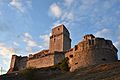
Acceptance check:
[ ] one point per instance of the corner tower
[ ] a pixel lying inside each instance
(92, 51)
(60, 39)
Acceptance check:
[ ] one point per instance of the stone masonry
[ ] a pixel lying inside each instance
(90, 51)
(60, 40)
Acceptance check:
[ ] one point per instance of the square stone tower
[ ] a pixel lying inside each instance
(60, 39)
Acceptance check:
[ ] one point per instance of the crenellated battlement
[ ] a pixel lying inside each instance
(40, 54)
(88, 37)
(91, 42)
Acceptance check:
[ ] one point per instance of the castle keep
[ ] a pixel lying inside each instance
(90, 51)
(60, 40)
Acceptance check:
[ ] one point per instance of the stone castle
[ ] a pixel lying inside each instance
(90, 51)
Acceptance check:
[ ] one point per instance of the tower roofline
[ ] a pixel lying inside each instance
(61, 25)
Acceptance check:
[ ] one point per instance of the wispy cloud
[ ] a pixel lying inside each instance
(68, 2)
(27, 35)
(20, 5)
(55, 10)
(5, 55)
(117, 43)
(32, 46)
(84, 12)
(27, 38)
(45, 39)
(0, 13)
(15, 43)
(6, 51)
(105, 33)
(63, 11)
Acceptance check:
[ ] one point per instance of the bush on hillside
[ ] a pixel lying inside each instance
(28, 73)
(63, 65)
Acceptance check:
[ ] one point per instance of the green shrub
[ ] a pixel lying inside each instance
(64, 65)
(61, 66)
(28, 73)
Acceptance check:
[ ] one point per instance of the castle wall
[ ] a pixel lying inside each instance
(13, 61)
(58, 57)
(91, 52)
(17, 63)
(13, 64)
(69, 53)
(66, 43)
(45, 61)
(22, 62)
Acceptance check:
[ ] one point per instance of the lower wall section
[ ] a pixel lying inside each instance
(91, 57)
(45, 61)
(59, 57)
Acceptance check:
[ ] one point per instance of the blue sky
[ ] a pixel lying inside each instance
(25, 25)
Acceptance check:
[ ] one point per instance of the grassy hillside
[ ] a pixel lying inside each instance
(97, 72)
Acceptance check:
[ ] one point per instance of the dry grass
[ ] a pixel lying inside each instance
(96, 72)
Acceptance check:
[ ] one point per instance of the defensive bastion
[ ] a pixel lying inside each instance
(91, 51)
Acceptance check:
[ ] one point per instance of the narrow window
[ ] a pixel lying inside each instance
(89, 42)
(71, 56)
(76, 63)
(92, 42)
(103, 59)
(76, 47)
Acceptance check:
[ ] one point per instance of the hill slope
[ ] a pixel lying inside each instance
(97, 72)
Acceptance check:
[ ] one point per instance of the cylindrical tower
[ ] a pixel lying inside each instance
(92, 51)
